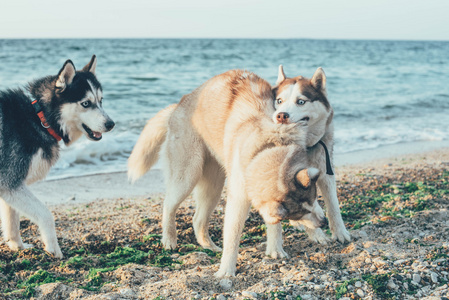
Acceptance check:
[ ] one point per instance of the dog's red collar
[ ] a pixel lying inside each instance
(44, 123)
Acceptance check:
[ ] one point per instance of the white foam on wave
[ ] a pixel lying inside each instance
(88, 157)
(363, 138)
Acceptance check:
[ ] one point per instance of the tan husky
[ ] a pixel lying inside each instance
(224, 129)
(301, 99)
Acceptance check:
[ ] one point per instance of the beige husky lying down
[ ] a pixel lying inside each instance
(224, 129)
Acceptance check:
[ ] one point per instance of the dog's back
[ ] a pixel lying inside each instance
(221, 106)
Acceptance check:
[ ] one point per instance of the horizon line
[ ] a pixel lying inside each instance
(222, 38)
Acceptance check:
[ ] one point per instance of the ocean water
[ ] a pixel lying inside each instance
(382, 92)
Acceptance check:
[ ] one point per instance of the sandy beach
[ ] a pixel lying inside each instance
(395, 207)
(83, 189)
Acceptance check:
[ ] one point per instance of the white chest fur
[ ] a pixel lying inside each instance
(39, 168)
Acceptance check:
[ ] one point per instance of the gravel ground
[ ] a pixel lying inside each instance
(396, 210)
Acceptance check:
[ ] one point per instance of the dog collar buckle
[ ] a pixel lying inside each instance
(44, 123)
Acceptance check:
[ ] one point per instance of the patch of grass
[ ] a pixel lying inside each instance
(145, 221)
(77, 262)
(38, 278)
(15, 266)
(122, 207)
(163, 259)
(342, 288)
(388, 201)
(379, 284)
(255, 233)
(189, 248)
(123, 256)
(79, 251)
(96, 279)
(98, 264)
(153, 238)
(126, 255)
(412, 289)
(247, 236)
(25, 264)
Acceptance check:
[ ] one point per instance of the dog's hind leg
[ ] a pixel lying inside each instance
(182, 174)
(207, 194)
(11, 227)
(23, 201)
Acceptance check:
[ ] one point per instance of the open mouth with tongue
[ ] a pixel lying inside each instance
(93, 135)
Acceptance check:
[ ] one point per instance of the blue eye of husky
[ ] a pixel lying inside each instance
(86, 104)
(279, 101)
(301, 102)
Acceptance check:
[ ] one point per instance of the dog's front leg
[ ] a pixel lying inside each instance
(275, 241)
(23, 201)
(326, 184)
(237, 208)
(11, 227)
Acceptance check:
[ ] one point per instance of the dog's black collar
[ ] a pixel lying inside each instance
(329, 170)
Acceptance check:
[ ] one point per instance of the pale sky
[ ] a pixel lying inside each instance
(320, 19)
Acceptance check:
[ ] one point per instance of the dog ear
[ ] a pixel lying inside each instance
(65, 75)
(281, 75)
(313, 173)
(319, 80)
(90, 67)
(306, 176)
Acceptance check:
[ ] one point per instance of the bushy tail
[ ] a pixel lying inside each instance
(146, 151)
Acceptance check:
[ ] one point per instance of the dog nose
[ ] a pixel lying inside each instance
(323, 222)
(109, 125)
(282, 117)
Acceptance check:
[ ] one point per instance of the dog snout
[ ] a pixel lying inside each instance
(323, 222)
(109, 125)
(282, 118)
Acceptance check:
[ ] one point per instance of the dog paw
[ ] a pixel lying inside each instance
(213, 247)
(168, 243)
(54, 251)
(225, 272)
(317, 236)
(278, 253)
(16, 245)
(341, 235)
(208, 244)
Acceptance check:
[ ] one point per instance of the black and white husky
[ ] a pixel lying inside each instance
(32, 122)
